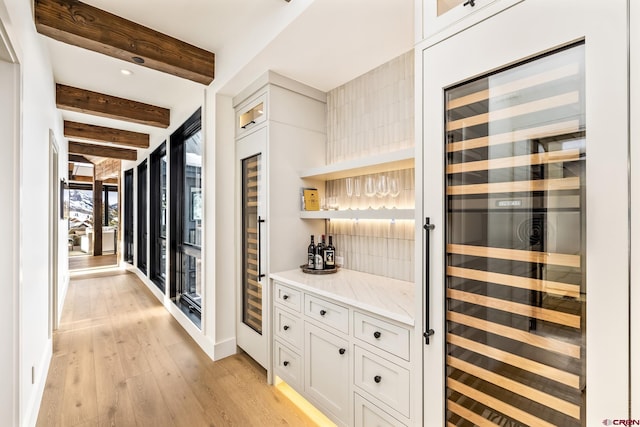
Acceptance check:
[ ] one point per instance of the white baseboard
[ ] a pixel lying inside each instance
(30, 416)
(225, 348)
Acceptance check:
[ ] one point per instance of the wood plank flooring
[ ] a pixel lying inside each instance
(89, 261)
(120, 359)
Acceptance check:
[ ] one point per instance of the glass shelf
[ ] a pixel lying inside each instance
(360, 214)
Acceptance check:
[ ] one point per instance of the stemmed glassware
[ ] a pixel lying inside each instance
(394, 186)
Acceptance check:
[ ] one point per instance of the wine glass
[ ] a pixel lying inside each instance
(382, 188)
(394, 187)
(369, 188)
(349, 186)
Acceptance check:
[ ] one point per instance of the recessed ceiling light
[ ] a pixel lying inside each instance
(138, 60)
(126, 72)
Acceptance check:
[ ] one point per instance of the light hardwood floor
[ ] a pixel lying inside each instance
(120, 359)
(89, 261)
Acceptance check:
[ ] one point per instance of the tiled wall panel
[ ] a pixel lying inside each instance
(374, 114)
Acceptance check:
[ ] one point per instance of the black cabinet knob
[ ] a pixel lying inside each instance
(285, 363)
(285, 296)
(342, 351)
(377, 378)
(323, 312)
(285, 327)
(377, 334)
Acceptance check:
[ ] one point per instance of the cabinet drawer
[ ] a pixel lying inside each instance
(289, 328)
(384, 335)
(288, 297)
(368, 415)
(327, 313)
(382, 379)
(288, 365)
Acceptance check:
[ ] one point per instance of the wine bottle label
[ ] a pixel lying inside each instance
(319, 265)
(329, 258)
(310, 260)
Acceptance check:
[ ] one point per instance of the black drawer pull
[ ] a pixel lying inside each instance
(377, 379)
(285, 296)
(323, 312)
(471, 3)
(377, 334)
(285, 363)
(285, 327)
(342, 351)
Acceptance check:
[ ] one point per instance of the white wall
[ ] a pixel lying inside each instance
(38, 116)
(8, 255)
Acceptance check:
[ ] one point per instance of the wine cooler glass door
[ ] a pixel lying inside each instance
(517, 250)
(252, 310)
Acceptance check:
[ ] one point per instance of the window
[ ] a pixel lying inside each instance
(186, 208)
(128, 216)
(158, 215)
(142, 217)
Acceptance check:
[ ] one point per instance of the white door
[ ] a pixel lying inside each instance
(252, 290)
(525, 179)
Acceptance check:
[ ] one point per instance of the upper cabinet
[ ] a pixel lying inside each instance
(443, 18)
(251, 114)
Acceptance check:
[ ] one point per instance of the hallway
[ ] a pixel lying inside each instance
(120, 359)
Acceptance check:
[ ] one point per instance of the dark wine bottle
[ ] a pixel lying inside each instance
(311, 254)
(318, 260)
(330, 255)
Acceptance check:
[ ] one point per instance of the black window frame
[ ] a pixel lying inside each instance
(142, 233)
(128, 216)
(155, 219)
(176, 213)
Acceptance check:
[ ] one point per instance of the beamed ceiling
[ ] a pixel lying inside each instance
(174, 50)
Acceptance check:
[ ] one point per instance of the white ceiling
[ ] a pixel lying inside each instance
(324, 43)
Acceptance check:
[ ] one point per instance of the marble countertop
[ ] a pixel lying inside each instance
(386, 297)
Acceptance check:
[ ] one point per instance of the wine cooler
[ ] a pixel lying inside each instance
(515, 244)
(251, 245)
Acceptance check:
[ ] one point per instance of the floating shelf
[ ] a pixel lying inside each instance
(360, 214)
(402, 159)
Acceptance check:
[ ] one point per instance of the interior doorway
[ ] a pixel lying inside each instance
(92, 206)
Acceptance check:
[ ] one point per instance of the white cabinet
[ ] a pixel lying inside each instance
(327, 370)
(447, 17)
(356, 363)
(280, 129)
(366, 414)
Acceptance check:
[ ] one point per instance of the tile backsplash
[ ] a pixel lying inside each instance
(373, 114)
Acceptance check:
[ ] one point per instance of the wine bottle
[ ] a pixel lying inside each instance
(318, 263)
(329, 255)
(311, 254)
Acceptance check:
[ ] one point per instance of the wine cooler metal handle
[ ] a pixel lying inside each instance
(260, 222)
(428, 332)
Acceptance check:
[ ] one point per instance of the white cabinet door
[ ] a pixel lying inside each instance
(525, 178)
(327, 380)
(252, 235)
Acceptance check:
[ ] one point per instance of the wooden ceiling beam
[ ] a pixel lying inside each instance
(80, 24)
(98, 104)
(74, 158)
(104, 134)
(102, 151)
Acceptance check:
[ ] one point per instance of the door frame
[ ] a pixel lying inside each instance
(55, 188)
(516, 37)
